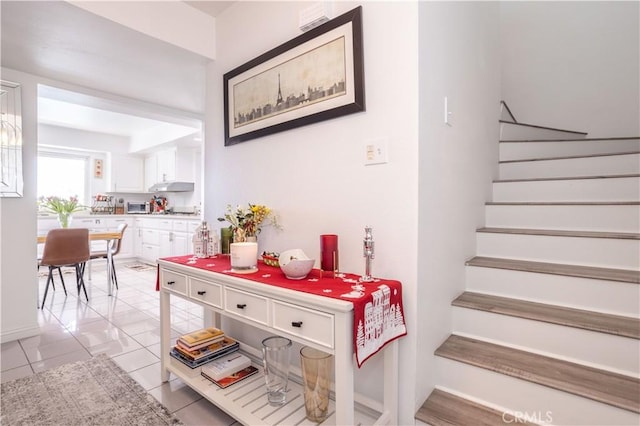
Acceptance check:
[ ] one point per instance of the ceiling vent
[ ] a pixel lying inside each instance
(315, 15)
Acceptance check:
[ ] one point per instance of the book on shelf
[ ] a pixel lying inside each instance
(226, 365)
(183, 368)
(200, 338)
(197, 354)
(175, 353)
(233, 378)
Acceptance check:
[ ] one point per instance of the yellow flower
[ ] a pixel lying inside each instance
(249, 220)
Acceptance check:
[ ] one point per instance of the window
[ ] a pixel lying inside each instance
(64, 175)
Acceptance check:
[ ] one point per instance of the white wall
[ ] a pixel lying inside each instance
(96, 145)
(314, 176)
(573, 65)
(18, 278)
(457, 163)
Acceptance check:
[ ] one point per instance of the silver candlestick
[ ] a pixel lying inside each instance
(368, 253)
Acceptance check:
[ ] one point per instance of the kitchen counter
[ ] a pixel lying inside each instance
(145, 216)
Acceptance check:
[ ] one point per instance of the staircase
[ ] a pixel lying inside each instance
(548, 329)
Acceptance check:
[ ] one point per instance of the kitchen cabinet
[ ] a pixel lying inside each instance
(160, 167)
(166, 165)
(150, 171)
(126, 243)
(137, 237)
(93, 224)
(126, 174)
(163, 237)
(176, 164)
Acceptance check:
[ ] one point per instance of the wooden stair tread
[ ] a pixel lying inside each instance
(547, 179)
(571, 140)
(535, 126)
(445, 409)
(571, 317)
(621, 275)
(559, 203)
(604, 386)
(568, 157)
(562, 233)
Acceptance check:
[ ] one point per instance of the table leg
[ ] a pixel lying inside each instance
(109, 267)
(344, 369)
(391, 382)
(165, 334)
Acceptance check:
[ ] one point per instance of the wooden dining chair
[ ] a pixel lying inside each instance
(66, 247)
(114, 247)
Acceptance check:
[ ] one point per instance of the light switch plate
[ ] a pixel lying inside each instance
(376, 152)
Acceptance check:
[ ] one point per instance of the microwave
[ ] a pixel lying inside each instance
(138, 208)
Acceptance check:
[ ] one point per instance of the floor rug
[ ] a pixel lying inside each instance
(65, 271)
(140, 267)
(92, 392)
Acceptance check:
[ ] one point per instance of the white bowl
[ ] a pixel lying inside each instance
(295, 264)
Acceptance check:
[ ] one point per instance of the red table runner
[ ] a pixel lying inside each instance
(377, 306)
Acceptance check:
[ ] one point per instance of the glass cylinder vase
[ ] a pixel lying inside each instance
(316, 375)
(64, 219)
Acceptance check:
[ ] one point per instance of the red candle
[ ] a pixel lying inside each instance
(329, 252)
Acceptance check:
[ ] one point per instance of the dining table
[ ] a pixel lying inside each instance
(107, 236)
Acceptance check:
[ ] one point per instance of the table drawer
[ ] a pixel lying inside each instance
(174, 282)
(206, 292)
(311, 325)
(246, 305)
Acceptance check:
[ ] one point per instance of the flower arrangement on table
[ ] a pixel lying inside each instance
(63, 207)
(247, 222)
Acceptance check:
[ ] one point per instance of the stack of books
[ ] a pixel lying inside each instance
(202, 346)
(228, 370)
(216, 353)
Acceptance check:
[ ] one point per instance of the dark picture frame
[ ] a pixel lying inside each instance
(316, 76)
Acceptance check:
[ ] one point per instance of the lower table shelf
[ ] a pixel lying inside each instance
(247, 402)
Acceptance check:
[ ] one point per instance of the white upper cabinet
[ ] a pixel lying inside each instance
(160, 167)
(170, 165)
(127, 173)
(166, 165)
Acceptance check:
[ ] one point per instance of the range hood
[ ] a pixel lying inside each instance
(172, 187)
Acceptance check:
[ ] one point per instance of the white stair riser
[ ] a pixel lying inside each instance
(599, 350)
(612, 218)
(526, 397)
(617, 298)
(510, 131)
(572, 167)
(607, 165)
(612, 189)
(601, 252)
(530, 150)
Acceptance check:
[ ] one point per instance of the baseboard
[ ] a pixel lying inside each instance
(21, 333)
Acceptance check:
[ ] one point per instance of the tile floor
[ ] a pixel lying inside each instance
(125, 326)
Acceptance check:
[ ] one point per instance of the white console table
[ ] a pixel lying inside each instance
(321, 322)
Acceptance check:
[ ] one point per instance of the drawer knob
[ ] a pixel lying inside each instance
(296, 324)
(201, 292)
(241, 305)
(171, 282)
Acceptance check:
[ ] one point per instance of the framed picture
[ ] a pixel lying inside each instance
(316, 76)
(97, 168)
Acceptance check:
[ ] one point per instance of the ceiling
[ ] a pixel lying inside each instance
(155, 82)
